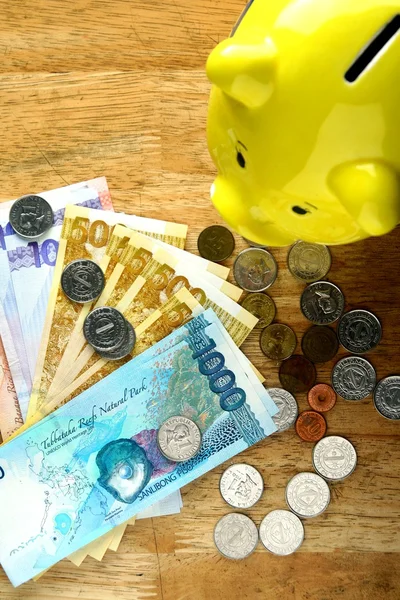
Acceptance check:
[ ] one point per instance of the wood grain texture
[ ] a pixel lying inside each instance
(117, 88)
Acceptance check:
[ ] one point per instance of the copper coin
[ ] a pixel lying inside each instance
(216, 243)
(297, 374)
(310, 426)
(322, 397)
(320, 343)
(278, 341)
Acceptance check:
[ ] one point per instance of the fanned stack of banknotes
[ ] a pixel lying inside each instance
(82, 454)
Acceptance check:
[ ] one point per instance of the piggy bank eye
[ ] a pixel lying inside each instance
(241, 160)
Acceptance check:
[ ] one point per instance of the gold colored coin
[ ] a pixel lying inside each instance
(309, 262)
(261, 306)
(278, 341)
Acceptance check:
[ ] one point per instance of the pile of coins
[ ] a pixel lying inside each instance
(105, 328)
(353, 378)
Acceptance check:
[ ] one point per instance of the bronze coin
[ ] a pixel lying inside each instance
(216, 243)
(320, 343)
(261, 306)
(310, 426)
(322, 397)
(278, 341)
(297, 374)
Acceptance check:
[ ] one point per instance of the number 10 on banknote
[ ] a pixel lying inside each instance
(95, 462)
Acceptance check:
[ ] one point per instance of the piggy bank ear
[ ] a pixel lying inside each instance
(244, 71)
(370, 192)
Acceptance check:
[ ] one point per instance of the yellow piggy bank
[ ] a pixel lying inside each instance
(304, 121)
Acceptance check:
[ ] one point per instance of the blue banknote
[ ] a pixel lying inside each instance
(95, 462)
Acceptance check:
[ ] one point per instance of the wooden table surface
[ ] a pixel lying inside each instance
(117, 88)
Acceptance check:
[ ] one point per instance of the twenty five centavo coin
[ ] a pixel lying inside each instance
(235, 536)
(353, 378)
(359, 331)
(287, 407)
(322, 397)
(105, 328)
(309, 262)
(281, 532)
(319, 344)
(241, 485)
(387, 397)
(297, 374)
(310, 426)
(307, 495)
(179, 438)
(255, 269)
(278, 341)
(334, 458)
(322, 302)
(261, 306)
(216, 243)
(82, 281)
(31, 216)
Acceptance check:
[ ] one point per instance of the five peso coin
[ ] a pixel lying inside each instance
(322, 397)
(105, 329)
(281, 532)
(319, 344)
(310, 426)
(353, 378)
(322, 302)
(82, 281)
(216, 243)
(387, 397)
(255, 269)
(241, 485)
(287, 407)
(235, 536)
(334, 458)
(359, 331)
(297, 374)
(261, 306)
(125, 348)
(31, 216)
(179, 438)
(278, 341)
(307, 495)
(309, 262)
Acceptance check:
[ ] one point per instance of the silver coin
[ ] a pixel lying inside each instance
(82, 280)
(353, 378)
(31, 216)
(235, 536)
(255, 269)
(105, 328)
(307, 495)
(334, 458)
(322, 302)
(179, 439)
(387, 397)
(359, 331)
(309, 262)
(287, 407)
(126, 347)
(281, 532)
(241, 485)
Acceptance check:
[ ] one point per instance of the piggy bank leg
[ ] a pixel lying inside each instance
(370, 193)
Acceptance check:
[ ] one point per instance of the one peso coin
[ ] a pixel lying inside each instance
(322, 302)
(359, 331)
(319, 344)
(387, 397)
(82, 281)
(125, 348)
(255, 269)
(287, 408)
(278, 341)
(307, 495)
(31, 216)
(353, 378)
(334, 458)
(179, 438)
(261, 306)
(105, 329)
(281, 532)
(241, 485)
(235, 536)
(309, 262)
